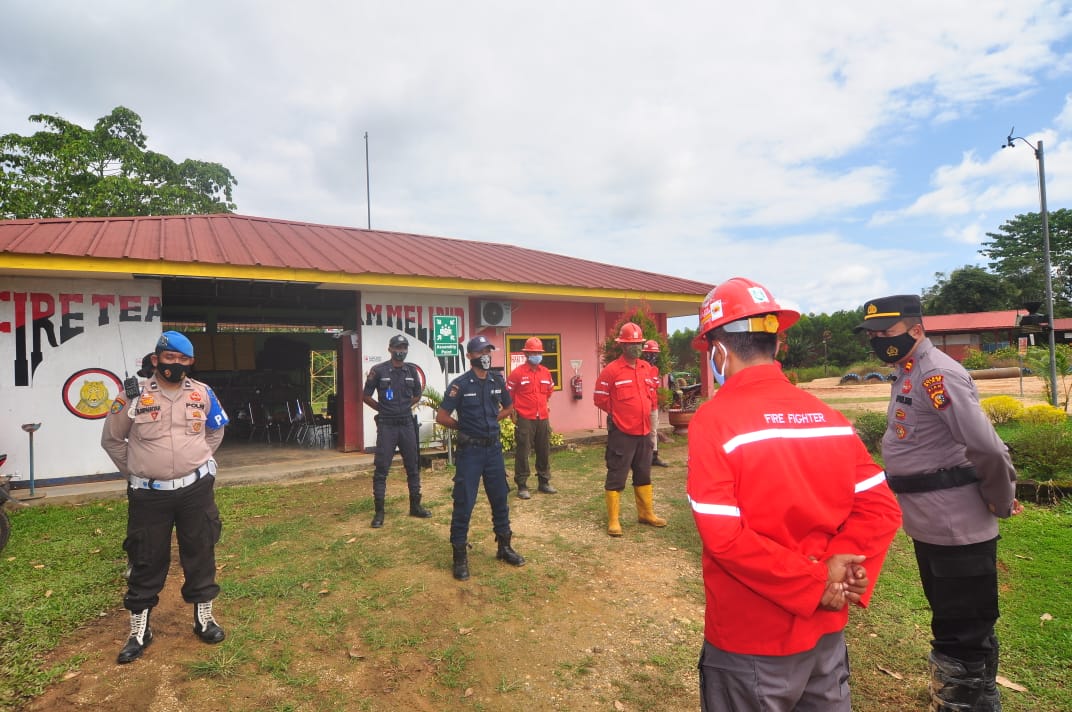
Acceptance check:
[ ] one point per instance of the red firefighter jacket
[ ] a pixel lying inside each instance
(778, 482)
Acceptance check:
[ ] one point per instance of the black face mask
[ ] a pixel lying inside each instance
(650, 358)
(399, 356)
(172, 372)
(891, 349)
(481, 362)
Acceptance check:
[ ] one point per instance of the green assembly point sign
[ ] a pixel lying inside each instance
(446, 335)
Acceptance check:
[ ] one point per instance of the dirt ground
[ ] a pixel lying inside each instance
(613, 603)
(1030, 390)
(622, 602)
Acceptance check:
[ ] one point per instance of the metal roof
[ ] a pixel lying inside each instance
(247, 247)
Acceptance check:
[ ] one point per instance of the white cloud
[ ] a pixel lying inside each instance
(795, 141)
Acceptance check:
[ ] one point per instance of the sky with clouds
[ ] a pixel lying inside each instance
(833, 151)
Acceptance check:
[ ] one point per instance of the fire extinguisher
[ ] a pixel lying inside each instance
(577, 386)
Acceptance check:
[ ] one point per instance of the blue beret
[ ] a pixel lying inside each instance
(174, 341)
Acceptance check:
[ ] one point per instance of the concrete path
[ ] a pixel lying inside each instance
(248, 463)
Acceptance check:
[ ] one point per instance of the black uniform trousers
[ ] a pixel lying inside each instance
(151, 515)
(396, 432)
(624, 453)
(473, 463)
(961, 584)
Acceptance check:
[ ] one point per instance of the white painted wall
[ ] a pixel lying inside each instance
(56, 337)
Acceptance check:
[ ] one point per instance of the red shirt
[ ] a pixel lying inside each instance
(778, 482)
(627, 394)
(531, 387)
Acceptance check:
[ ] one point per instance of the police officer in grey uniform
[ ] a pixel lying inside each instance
(397, 387)
(163, 439)
(481, 400)
(954, 479)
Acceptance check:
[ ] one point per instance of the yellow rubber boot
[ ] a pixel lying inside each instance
(644, 508)
(614, 505)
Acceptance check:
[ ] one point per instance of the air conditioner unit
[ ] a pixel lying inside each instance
(495, 313)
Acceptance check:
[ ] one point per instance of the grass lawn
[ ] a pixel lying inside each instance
(324, 613)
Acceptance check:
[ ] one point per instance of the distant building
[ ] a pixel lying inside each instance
(955, 334)
(82, 300)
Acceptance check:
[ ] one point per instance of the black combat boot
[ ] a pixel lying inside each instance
(205, 625)
(523, 489)
(545, 486)
(140, 637)
(507, 554)
(657, 461)
(990, 699)
(415, 508)
(956, 685)
(461, 561)
(377, 518)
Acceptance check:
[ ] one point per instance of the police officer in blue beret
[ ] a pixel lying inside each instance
(480, 398)
(163, 440)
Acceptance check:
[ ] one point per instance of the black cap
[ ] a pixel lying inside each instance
(398, 340)
(882, 313)
(478, 344)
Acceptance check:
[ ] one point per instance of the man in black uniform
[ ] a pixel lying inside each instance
(398, 389)
(481, 399)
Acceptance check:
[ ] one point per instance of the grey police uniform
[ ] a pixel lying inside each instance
(163, 442)
(395, 388)
(948, 466)
(936, 426)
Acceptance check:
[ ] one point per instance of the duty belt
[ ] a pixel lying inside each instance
(394, 420)
(930, 481)
(178, 483)
(475, 442)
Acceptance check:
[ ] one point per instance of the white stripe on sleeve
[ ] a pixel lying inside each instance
(870, 482)
(724, 510)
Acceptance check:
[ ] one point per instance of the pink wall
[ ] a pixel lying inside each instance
(581, 328)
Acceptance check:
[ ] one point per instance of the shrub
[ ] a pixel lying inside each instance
(1001, 409)
(975, 359)
(508, 436)
(871, 426)
(1043, 414)
(1041, 452)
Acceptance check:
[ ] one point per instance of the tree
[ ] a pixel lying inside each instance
(682, 356)
(1016, 254)
(66, 170)
(970, 289)
(822, 338)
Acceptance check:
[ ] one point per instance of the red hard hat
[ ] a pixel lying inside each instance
(533, 344)
(651, 346)
(746, 304)
(630, 333)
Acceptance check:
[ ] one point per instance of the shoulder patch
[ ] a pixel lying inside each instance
(117, 405)
(453, 392)
(935, 387)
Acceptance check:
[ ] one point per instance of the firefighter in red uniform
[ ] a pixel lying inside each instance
(651, 355)
(794, 515)
(624, 390)
(531, 386)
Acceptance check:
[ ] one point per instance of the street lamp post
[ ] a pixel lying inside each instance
(1040, 157)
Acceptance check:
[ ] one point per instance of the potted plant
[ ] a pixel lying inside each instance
(685, 401)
